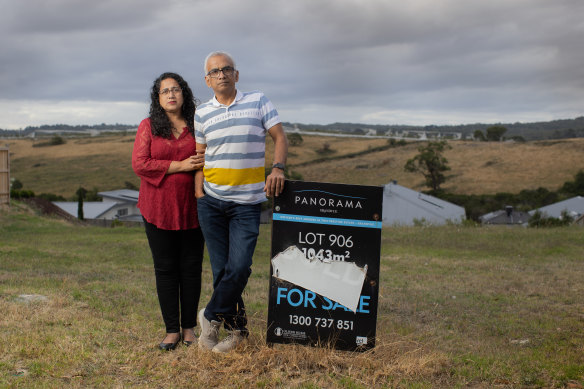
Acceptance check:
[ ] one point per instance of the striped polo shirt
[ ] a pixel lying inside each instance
(235, 136)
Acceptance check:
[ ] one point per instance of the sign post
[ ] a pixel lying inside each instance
(4, 175)
(324, 273)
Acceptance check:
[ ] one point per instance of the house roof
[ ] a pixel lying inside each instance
(91, 209)
(503, 217)
(121, 195)
(402, 206)
(574, 207)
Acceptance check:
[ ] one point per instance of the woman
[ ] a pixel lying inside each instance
(165, 159)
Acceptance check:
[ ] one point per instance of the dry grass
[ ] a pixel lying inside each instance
(477, 167)
(99, 322)
(64, 342)
(458, 307)
(511, 167)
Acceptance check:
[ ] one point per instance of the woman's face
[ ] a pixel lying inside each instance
(170, 95)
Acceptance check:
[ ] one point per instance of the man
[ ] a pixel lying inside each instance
(231, 129)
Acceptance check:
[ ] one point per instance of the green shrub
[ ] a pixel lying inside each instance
(15, 184)
(539, 220)
(51, 197)
(54, 141)
(21, 193)
(295, 139)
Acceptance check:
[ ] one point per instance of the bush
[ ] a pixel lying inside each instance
(326, 149)
(54, 141)
(51, 197)
(295, 139)
(478, 135)
(495, 133)
(91, 195)
(21, 194)
(15, 184)
(576, 187)
(395, 143)
(117, 223)
(539, 220)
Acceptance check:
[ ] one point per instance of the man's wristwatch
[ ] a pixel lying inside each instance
(279, 166)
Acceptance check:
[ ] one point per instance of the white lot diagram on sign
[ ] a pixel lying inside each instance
(338, 281)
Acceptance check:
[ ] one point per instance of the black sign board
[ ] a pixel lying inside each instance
(324, 282)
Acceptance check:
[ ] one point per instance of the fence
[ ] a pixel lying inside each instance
(4, 175)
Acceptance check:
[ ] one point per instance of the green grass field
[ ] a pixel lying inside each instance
(459, 307)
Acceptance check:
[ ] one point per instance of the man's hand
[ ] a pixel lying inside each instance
(194, 162)
(198, 160)
(275, 182)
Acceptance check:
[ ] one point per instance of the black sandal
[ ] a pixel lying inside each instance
(169, 346)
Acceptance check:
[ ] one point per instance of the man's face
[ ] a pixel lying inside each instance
(222, 82)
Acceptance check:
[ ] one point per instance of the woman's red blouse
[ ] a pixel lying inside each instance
(165, 200)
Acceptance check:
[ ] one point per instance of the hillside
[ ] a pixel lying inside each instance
(104, 162)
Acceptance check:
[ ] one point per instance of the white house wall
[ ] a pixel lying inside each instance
(113, 212)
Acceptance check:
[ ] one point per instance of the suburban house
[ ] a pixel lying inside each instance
(507, 216)
(574, 207)
(116, 205)
(404, 207)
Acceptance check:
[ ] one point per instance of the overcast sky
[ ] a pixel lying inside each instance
(413, 62)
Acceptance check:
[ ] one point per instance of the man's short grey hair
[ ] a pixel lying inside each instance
(217, 53)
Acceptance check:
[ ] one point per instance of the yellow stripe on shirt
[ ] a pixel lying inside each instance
(233, 177)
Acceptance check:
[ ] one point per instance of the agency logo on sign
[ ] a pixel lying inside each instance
(319, 198)
(361, 340)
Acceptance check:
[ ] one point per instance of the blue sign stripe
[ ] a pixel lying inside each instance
(326, 220)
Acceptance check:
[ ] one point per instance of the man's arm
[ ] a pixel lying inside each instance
(199, 176)
(275, 180)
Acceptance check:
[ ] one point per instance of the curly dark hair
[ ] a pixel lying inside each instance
(159, 121)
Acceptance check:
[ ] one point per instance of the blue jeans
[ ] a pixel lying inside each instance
(231, 232)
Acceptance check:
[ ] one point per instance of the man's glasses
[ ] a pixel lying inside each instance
(228, 71)
(175, 89)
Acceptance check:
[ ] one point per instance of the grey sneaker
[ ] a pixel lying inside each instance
(209, 331)
(229, 343)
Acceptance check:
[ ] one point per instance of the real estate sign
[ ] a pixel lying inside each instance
(324, 270)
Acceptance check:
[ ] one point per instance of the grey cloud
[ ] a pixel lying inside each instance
(340, 55)
(72, 16)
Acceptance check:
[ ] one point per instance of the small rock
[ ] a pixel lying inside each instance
(30, 298)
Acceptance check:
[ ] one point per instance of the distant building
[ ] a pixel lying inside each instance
(507, 216)
(574, 207)
(404, 207)
(116, 205)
